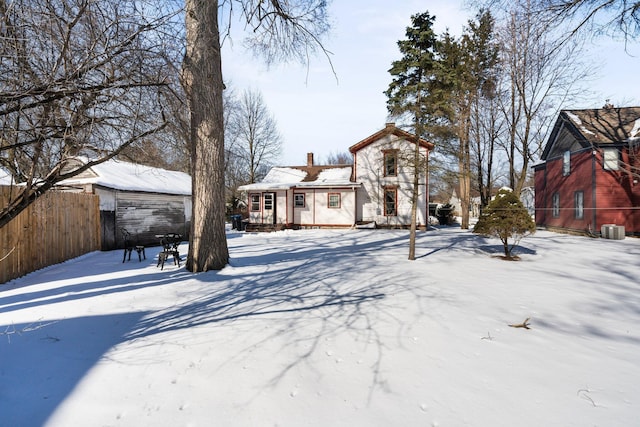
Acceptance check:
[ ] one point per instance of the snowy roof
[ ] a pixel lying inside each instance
(126, 176)
(280, 174)
(607, 125)
(284, 178)
(578, 129)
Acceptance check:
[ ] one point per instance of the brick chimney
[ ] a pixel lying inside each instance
(309, 159)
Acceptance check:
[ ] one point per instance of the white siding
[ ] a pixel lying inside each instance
(280, 204)
(369, 171)
(304, 215)
(281, 207)
(317, 212)
(334, 216)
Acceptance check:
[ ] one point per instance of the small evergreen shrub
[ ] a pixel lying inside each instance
(445, 214)
(507, 219)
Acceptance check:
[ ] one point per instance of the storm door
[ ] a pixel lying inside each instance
(269, 208)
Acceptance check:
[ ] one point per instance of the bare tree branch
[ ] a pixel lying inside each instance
(80, 77)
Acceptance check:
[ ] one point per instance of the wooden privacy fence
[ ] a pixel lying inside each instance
(56, 227)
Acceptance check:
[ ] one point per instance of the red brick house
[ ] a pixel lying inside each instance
(590, 171)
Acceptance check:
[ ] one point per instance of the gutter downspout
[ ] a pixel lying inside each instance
(545, 201)
(355, 205)
(593, 191)
(426, 219)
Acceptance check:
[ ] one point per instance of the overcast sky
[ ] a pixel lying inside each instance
(317, 111)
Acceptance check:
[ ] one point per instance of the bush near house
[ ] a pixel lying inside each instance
(507, 219)
(444, 214)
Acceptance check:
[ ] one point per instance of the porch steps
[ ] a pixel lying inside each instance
(264, 228)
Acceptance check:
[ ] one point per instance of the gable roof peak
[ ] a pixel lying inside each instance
(390, 128)
(592, 127)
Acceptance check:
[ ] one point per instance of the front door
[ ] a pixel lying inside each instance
(269, 208)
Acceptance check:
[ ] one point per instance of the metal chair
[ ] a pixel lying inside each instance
(170, 243)
(129, 247)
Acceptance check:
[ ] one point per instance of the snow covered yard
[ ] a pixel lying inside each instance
(330, 328)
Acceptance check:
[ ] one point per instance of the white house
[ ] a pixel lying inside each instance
(475, 203)
(377, 188)
(304, 196)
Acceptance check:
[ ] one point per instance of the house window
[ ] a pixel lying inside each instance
(555, 205)
(334, 200)
(268, 201)
(390, 201)
(391, 163)
(298, 200)
(255, 202)
(566, 163)
(578, 204)
(611, 158)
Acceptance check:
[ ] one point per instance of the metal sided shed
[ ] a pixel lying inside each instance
(143, 200)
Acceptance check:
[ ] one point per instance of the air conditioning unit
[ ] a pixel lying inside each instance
(612, 231)
(605, 230)
(617, 232)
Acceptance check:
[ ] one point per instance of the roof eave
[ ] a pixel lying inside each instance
(390, 130)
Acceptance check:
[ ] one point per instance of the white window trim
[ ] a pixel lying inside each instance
(338, 198)
(611, 159)
(251, 202)
(555, 205)
(578, 201)
(566, 163)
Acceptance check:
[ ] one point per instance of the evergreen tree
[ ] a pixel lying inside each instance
(507, 219)
(408, 92)
(413, 74)
(465, 74)
(438, 82)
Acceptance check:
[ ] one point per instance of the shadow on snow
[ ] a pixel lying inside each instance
(265, 282)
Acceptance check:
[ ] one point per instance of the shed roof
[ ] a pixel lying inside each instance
(119, 175)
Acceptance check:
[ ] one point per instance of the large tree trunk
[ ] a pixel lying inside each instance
(465, 191)
(202, 75)
(464, 164)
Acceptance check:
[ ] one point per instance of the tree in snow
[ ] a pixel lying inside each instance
(408, 94)
(507, 219)
(255, 142)
(79, 78)
(339, 158)
(282, 30)
(252, 143)
(538, 75)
